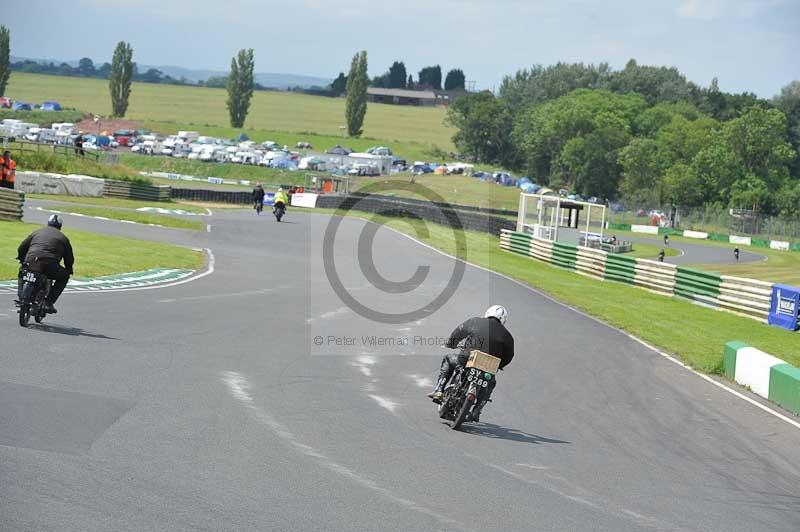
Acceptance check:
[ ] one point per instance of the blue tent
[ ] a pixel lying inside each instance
(242, 137)
(51, 106)
(21, 106)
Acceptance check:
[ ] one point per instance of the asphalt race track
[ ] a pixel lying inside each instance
(698, 253)
(210, 406)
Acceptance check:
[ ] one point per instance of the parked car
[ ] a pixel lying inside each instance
(380, 150)
(6, 102)
(303, 145)
(340, 150)
(51, 106)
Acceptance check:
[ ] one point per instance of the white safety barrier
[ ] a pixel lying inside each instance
(649, 229)
(779, 244)
(743, 240)
(47, 183)
(695, 234)
(304, 199)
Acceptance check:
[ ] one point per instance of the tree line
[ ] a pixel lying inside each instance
(397, 77)
(643, 134)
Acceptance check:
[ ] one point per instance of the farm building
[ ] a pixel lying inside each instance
(423, 98)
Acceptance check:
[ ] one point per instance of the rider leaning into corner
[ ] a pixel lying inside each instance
(487, 334)
(45, 248)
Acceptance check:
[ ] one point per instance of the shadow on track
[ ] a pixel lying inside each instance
(490, 430)
(69, 331)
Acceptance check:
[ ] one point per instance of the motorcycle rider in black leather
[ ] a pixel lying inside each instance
(487, 334)
(258, 194)
(44, 249)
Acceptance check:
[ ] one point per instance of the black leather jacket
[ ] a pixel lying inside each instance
(48, 245)
(487, 335)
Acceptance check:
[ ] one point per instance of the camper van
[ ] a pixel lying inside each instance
(188, 136)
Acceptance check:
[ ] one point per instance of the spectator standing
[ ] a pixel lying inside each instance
(661, 256)
(7, 169)
(79, 144)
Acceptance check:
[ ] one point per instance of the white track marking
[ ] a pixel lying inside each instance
(208, 212)
(208, 228)
(341, 311)
(209, 270)
(422, 382)
(218, 296)
(239, 388)
(598, 320)
(388, 404)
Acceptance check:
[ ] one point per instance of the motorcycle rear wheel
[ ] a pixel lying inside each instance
(24, 314)
(462, 414)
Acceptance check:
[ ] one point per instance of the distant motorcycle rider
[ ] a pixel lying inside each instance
(487, 334)
(43, 250)
(258, 195)
(280, 197)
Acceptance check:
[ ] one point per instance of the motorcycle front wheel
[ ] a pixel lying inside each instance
(466, 407)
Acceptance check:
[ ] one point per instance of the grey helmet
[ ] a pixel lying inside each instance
(55, 221)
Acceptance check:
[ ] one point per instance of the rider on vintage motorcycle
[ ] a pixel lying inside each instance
(47, 247)
(487, 334)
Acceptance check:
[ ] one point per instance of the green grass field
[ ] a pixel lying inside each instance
(693, 333)
(270, 112)
(97, 254)
(135, 216)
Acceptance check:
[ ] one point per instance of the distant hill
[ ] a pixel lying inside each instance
(267, 79)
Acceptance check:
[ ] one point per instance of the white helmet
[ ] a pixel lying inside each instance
(497, 311)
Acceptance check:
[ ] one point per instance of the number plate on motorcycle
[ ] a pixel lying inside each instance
(478, 377)
(30, 277)
(483, 361)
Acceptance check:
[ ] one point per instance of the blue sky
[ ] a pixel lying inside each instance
(748, 44)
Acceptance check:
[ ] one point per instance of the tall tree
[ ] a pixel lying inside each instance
(119, 80)
(455, 80)
(410, 82)
(86, 67)
(339, 85)
(430, 77)
(356, 105)
(397, 75)
(240, 87)
(5, 59)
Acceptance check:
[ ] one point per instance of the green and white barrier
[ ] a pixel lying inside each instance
(747, 297)
(764, 374)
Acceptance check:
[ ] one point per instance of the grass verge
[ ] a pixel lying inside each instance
(138, 217)
(118, 203)
(97, 254)
(694, 334)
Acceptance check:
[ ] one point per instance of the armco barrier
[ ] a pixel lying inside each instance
(766, 375)
(11, 204)
(391, 206)
(746, 297)
(128, 190)
(213, 196)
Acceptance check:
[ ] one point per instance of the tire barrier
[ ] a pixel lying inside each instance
(764, 374)
(746, 297)
(11, 204)
(213, 196)
(138, 191)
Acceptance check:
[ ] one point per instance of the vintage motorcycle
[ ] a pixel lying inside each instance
(467, 387)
